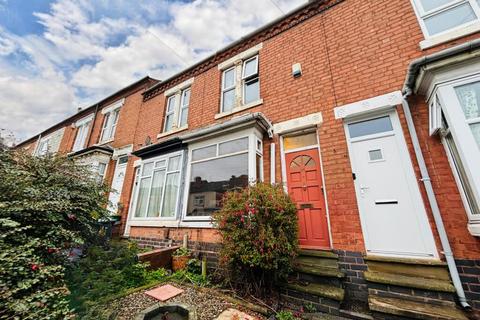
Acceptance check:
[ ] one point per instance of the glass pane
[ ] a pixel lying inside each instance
(375, 154)
(309, 139)
(308, 161)
(122, 160)
(171, 104)
(184, 117)
(171, 190)
(169, 122)
(160, 163)
(475, 127)
(174, 163)
(258, 166)
(185, 97)
(433, 4)
(204, 153)
(211, 179)
(156, 194)
(229, 78)
(250, 68)
(469, 97)
(251, 91)
(233, 146)
(228, 100)
(367, 127)
(147, 169)
(142, 197)
(449, 19)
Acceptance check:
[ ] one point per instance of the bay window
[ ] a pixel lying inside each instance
(217, 166)
(157, 187)
(455, 114)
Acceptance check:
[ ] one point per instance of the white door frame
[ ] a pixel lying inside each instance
(117, 167)
(284, 169)
(411, 178)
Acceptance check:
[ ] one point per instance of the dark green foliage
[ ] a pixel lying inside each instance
(259, 229)
(48, 205)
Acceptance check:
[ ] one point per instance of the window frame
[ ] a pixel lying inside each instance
(43, 141)
(136, 187)
(110, 124)
(177, 111)
(448, 34)
(468, 149)
(239, 86)
(83, 129)
(253, 135)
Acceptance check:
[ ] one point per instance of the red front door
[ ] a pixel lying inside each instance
(304, 179)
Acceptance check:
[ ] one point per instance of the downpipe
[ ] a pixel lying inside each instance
(447, 250)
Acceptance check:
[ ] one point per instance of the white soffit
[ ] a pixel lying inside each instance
(307, 121)
(368, 105)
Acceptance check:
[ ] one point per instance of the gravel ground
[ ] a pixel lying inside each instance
(208, 306)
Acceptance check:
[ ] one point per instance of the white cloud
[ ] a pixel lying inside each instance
(91, 48)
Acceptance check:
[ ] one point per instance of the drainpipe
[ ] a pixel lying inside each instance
(447, 250)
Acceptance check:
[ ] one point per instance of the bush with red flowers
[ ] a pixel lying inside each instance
(48, 205)
(259, 230)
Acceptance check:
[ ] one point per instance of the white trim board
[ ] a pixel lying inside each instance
(185, 84)
(298, 124)
(241, 56)
(113, 106)
(369, 105)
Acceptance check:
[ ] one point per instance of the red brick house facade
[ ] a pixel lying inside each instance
(368, 112)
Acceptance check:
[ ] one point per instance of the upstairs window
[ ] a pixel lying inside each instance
(109, 125)
(83, 127)
(176, 111)
(240, 85)
(440, 16)
(43, 147)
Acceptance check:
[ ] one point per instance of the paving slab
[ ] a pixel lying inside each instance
(163, 293)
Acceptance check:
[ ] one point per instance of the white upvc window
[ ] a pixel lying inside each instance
(219, 165)
(176, 110)
(447, 19)
(457, 119)
(240, 85)
(157, 187)
(109, 125)
(83, 127)
(43, 146)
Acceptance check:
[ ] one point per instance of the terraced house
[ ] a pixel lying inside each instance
(368, 113)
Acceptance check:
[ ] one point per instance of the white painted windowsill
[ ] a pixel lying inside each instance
(239, 109)
(449, 36)
(474, 228)
(164, 134)
(104, 142)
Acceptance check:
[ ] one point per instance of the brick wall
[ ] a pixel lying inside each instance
(469, 271)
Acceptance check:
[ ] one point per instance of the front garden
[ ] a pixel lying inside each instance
(57, 262)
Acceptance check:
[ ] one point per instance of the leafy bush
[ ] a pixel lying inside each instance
(259, 229)
(286, 315)
(181, 252)
(48, 205)
(105, 272)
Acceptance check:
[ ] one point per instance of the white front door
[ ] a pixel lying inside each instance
(117, 184)
(393, 217)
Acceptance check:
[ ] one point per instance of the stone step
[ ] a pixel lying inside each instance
(416, 310)
(320, 271)
(412, 261)
(318, 253)
(414, 270)
(313, 261)
(317, 289)
(409, 281)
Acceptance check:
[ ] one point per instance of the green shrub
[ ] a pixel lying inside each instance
(181, 252)
(259, 230)
(48, 205)
(285, 315)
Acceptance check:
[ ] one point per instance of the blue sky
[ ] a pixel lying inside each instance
(58, 55)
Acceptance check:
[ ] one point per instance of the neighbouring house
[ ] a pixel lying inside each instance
(368, 112)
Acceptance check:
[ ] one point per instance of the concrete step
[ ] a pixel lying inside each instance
(316, 289)
(411, 261)
(314, 261)
(415, 310)
(439, 272)
(318, 254)
(321, 271)
(410, 281)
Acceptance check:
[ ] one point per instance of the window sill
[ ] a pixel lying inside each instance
(238, 109)
(154, 222)
(104, 142)
(164, 134)
(449, 36)
(474, 228)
